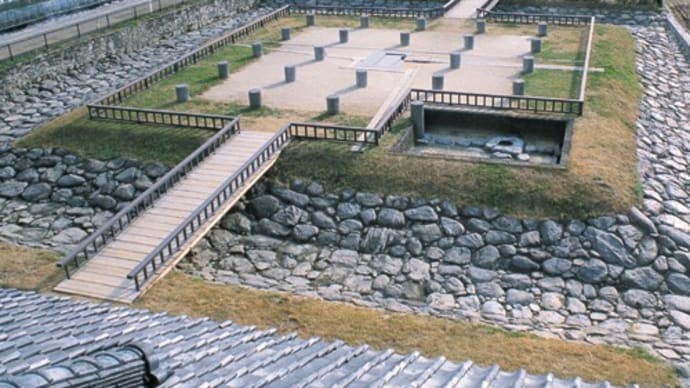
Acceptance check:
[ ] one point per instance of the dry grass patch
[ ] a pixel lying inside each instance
(28, 268)
(181, 294)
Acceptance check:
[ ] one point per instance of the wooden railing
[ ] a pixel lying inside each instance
(108, 231)
(172, 244)
(493, 101)
(395, 110)
(585, 68)
(430, 12)
(171, 68)
(542, 104)
(159, 117)
(532, 18)
(318, 131)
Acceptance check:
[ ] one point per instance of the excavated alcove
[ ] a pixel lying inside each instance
(497, 136)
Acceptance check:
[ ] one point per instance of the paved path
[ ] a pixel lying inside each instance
(105, 275)
(465, 9)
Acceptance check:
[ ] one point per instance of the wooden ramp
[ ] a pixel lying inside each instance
(105, 275)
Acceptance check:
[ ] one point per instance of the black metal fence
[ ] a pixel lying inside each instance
(430, 12)
(108, 231)
(192, 58)
(493, 101)
(318, 131)
(173, 243)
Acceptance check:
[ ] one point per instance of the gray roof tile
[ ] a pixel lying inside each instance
(40, 333)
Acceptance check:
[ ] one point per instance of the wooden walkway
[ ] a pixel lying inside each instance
(105, 275)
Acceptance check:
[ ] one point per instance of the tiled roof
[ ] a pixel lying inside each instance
(38, 331)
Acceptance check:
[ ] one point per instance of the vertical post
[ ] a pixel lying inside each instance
(45, 39)
(343, 35)
(454, 60)
(182, 92)
(9, 50)
(257, 49)
(421, 24)
(223, 69)
(481, 26)
(78, 31)
(107, 20)
(255, 98)
(417, 112)
(469, 41)
(535, 45)
(319, 53)
(519, 87)
(404, 38)
(361, 78)
(364, 21)
(290, 73)
(333, 104)
(437, 82)
(527, 64)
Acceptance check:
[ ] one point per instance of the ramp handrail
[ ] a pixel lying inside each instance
(171, 244)
(107, 232)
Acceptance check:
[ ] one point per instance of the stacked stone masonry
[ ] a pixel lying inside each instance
(606, 277)
(53, 198)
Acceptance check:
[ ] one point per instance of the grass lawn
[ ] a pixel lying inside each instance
(601, 177)
(433, 337)
(110, 139)
(553, 83)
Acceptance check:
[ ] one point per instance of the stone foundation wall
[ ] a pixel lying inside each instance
(52, 198)
(410, 254)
